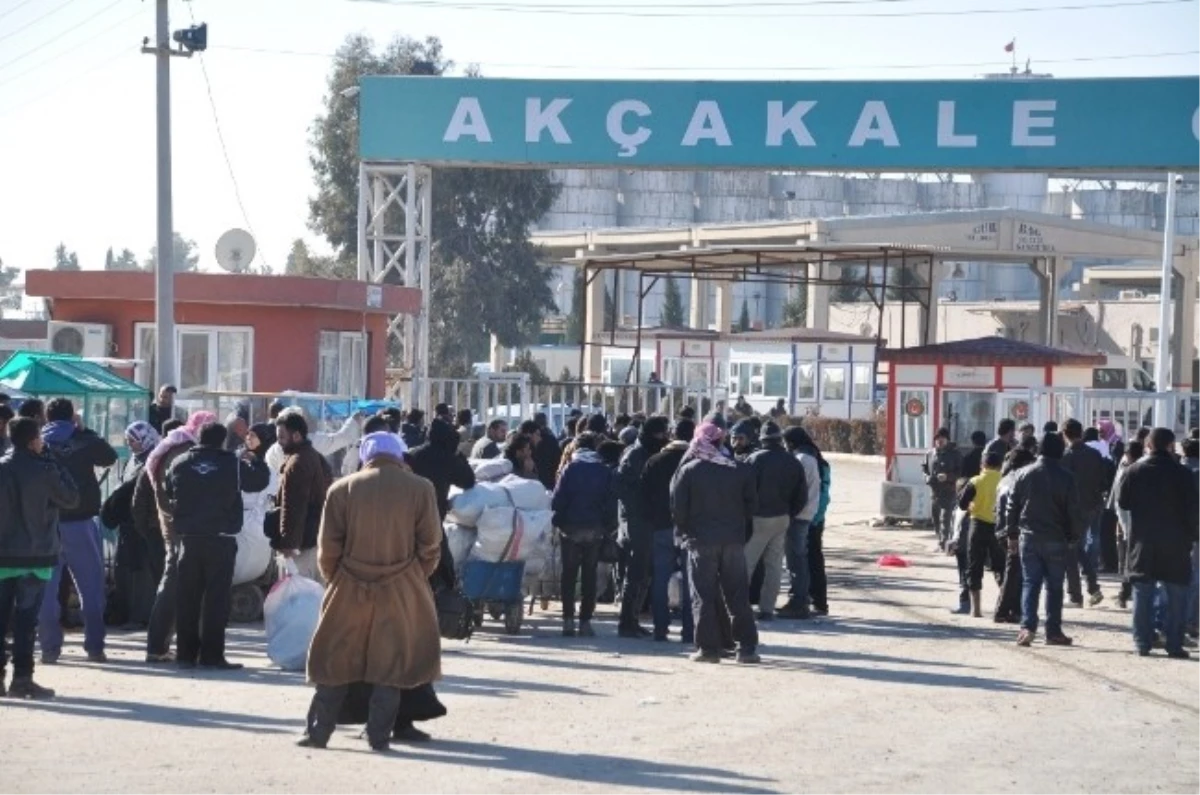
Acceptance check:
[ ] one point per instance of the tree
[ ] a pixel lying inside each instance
(125, 261)
(524, 363)
(610, 310)
(851, 290)
(302, 262)
(9, 298)
(485, 275)
(65, 260)
(108, 259)
(672, 311)
(907, 287)
(574, 330)
(743, 323)
(183, 254)
(795, 310)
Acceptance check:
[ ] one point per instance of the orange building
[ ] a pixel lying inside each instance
(239, 333)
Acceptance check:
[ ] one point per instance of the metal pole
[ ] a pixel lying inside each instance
(1162, 366)
(364, 220)
(425, 210)
(164, 269)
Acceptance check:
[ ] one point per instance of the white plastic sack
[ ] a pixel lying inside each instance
(253, 555)
(489, 469)
(526, 494)
(460, 539)
(290, 613)
(675, 590)
(466, 507)
(509, 534)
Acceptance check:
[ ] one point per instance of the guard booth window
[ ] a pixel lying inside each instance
(963, 413)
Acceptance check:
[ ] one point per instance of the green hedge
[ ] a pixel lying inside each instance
(862, 437)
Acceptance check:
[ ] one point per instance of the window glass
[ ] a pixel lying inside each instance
(806, 383)
(833, 383)
(233, 361)
(743, 382)
(775, 381)
(1109, 378)
(145, 352)
(913, 418)
(696, 374)
(193, 361)
(963, 413)
(862, 382)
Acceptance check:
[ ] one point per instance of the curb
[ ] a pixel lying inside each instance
(853, 458)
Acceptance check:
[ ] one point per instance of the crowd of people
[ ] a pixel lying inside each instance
(1035, 511)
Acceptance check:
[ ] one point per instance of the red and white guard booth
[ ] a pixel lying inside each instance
(964, 386)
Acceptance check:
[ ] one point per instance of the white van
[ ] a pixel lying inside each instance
(1122, 373)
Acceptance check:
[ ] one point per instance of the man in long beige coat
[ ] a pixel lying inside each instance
(380, 541)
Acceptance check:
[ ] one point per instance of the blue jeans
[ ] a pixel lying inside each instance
(1087, 556)
(1173, 614)
(1042, 562)
(20, 598)
(82, 554)
(797, 563)
(666, 558)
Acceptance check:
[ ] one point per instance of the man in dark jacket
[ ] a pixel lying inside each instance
(585, 513)
(639, 532)
(713, 499)
(943, 468)
(163, 409)
(972, 460)
(1093, 477)
(204, 487)
(412, 430)
(655, 489)
(1043, 513)
(305, 479)
(743, 439)
(782, 492)
(439, 462)
(547, 453)
(1164, 513)
(34, 487)
(82, 452)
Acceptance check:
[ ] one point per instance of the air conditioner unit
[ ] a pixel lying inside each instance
(89, 340)
(1128, 295)
(904, 501)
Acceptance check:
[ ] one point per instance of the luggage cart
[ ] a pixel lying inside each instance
(495, 588)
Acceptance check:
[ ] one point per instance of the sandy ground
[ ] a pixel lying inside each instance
(891, 693)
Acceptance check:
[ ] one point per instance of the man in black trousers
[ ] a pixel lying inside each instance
(204, 487)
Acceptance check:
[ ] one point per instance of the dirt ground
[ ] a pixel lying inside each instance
(890, 693)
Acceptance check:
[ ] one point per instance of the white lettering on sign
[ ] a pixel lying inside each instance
(969, 376)
(1025, 122)
(538, 118)
(945, 129)
(874, 124)
(792, 122)
(627, 141)
(468, 119)
(706, 123)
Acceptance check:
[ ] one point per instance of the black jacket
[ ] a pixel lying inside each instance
(629, 477)
(1044, 504)
(438, 462)
(946, 461)
(779, 475)
(655, 485)
(1093, 476)
(1164, 515)
(547, 456)
(204, 488)
(82, 453)
(157, 415)
(972, 463)
(33, 489)
(586, 495)
(713, 504)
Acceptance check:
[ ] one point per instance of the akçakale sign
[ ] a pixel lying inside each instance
(1008, 124)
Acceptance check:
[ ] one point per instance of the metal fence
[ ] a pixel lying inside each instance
(1131, 410)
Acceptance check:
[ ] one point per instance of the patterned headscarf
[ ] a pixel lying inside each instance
(144, 434)
(188, 433)
(706, 445)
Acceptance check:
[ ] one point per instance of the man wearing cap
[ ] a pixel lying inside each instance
(380, 540)
(942, 467)
(782, 492)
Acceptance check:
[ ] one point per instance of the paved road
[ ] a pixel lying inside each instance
(891, 693)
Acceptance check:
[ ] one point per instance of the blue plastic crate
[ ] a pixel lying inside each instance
(493, 582)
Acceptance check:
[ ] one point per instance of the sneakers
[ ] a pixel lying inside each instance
(1058, 640)
(1095, 598)
(762, 616)
(51, 657)
(1075, 603)
(97, 657)
(820, 611)
(634, 631)
(568, 627)
(1175, 654)
(963, 609)
(585, 630)
(795, 611)
(25, 687)
(308, 742)
(410, 734)
(159, 659)
(702, 656)
(748, 658)
(1025, 638)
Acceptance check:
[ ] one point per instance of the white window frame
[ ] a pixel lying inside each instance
(854, 382)
(829, 368)
(348, 379)
(812, 374)
(141, 376)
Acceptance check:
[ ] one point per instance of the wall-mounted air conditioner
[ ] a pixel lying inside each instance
(81, 339)
(904, 501)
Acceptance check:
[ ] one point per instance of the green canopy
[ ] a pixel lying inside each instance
(61, 374)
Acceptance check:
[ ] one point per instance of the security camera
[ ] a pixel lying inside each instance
(1178, 179)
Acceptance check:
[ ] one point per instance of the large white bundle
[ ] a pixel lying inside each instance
(466, 507)
(253, 555)
(510, 534)
(488, 469)
(526, 494)
(290, 615)
(460, 539)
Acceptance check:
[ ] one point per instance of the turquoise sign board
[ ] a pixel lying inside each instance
(963, 125)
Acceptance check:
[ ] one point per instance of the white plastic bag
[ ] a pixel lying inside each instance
(526, 494)
(466, 508)
(290, 613)
(488, 469)
(460, 539)
(509, 534)
(675, 590)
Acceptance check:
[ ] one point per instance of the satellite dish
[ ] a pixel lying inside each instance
(235, 250)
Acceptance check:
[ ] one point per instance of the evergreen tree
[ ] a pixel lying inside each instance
(672, 311)
(851, 290)
(108, 259)
(125, 261)
(65, 260)
(183, 254)
(907, 285)
(795, 311)
(574, 330)
(9, 298)
(744, 320)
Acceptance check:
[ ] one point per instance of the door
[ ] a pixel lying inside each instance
(964, 412)
(1016, 406)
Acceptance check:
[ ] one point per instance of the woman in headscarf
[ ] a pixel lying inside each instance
(139, 561)
(254, 549)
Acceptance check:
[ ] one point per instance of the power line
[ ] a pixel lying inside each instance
(56, 56)
(36, 20)
(237, 191)
(728, 68)
(76, 77)
(739, 10)
(62, 33)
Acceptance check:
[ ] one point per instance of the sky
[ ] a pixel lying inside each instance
(77, 98)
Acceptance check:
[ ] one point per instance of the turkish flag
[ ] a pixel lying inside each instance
(1012, 45)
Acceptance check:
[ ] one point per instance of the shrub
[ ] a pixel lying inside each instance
(861, 437)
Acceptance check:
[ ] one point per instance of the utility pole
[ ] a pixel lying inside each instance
(1162, 365)
(164, 265)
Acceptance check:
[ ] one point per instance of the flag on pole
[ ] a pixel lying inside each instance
(1011, 46)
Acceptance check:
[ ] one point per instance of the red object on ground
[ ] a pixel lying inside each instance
(894, 561)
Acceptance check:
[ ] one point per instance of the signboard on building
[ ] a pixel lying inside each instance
(1150, 123)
